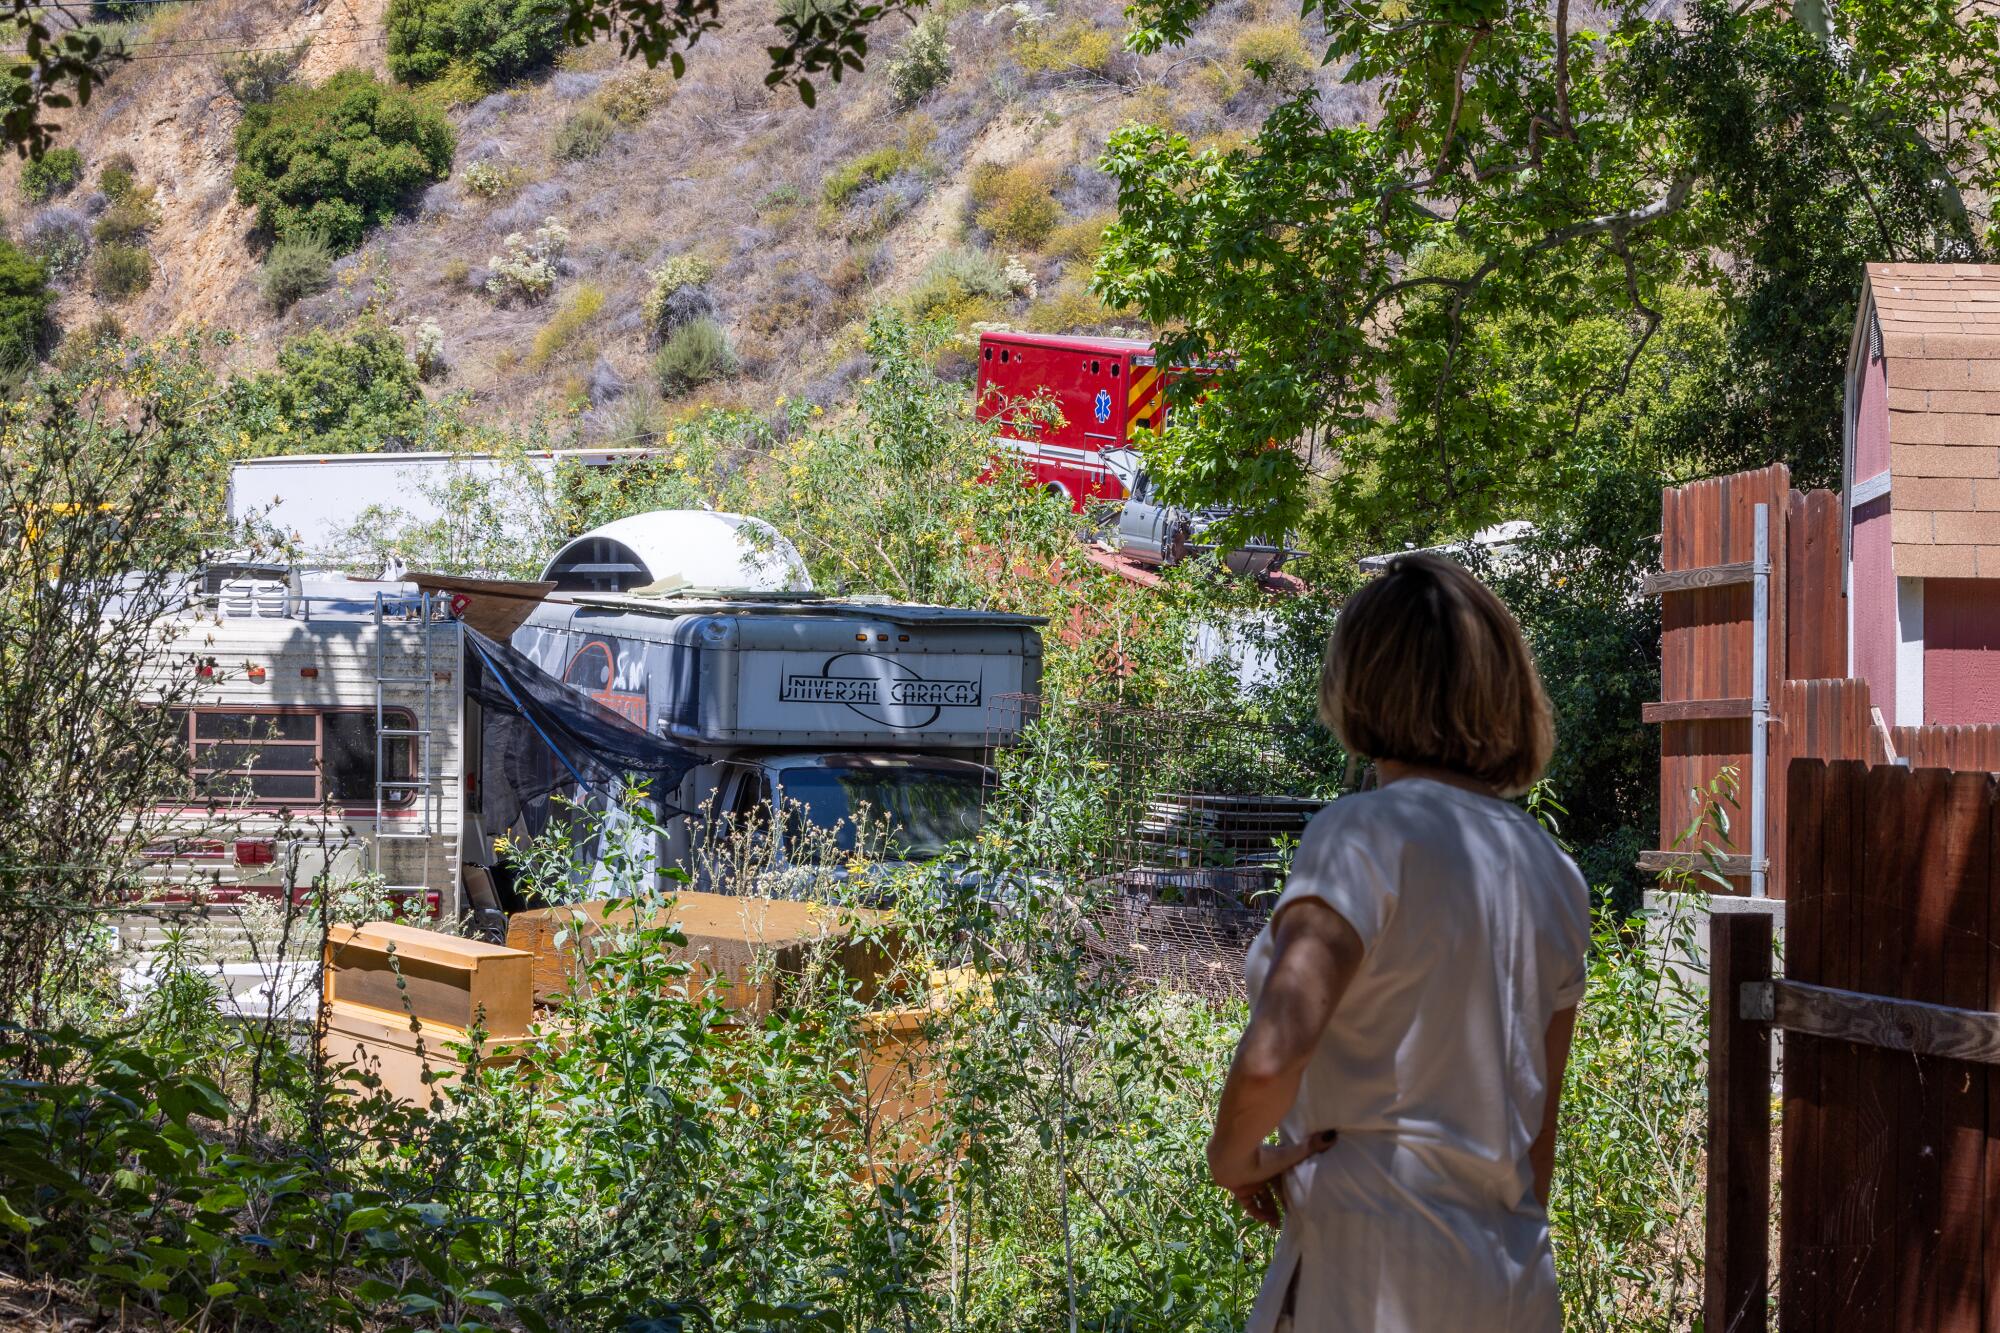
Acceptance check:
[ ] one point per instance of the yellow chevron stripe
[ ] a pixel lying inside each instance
(1141, 387)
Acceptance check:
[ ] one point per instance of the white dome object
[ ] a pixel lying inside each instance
(680, 550)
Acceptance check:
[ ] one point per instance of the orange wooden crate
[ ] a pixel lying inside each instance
(441, 979)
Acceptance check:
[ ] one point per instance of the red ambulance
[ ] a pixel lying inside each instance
(1105, 390)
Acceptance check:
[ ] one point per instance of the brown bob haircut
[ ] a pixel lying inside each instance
(1426, 666)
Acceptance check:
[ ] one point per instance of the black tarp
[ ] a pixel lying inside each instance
(541, 740)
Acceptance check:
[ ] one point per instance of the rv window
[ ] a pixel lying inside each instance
(258, 727)
(294, 758)
(925, 808)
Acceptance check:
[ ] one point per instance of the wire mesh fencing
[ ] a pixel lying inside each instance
(1201, 813)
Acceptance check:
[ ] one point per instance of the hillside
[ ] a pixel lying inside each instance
(981, 202)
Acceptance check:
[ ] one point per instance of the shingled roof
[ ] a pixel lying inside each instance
(1939, 330)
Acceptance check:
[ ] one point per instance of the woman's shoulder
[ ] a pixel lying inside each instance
(1413, 803)
(1379, 819)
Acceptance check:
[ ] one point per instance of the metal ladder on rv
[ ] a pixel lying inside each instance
(423, 780)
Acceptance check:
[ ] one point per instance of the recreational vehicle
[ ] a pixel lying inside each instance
(328, 718)
(393, 732)
(827, 711)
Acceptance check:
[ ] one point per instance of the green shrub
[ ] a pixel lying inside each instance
(60, 238)
(490, 180)
(1279, 48)
(800, 10)
(1081, 239)
(566, 325)
(460, 85)
(1071, 308)
(129, 218)
(256, 76)
(583, 134)
(296, 268)
(960, 288)
(1073, 46)
(54, 172)
(779, 198)
(25, 300)
(78, 344)
(118, 176)
(335, 393)
(337, 159)
(119, 271)
(674, 294)
(501, 39)
(922, 64)
(634, 95)
(695, 354)
(912, 153)
(1625, 1206)
(1017, 204)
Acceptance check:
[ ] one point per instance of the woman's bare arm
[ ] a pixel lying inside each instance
(1542, 1153)
(1315, 954)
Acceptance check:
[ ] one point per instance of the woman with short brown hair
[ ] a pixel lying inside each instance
(1414, 993)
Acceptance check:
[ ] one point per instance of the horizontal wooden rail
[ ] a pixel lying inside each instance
(1695, 580)
(1693, 710)
(1732, 866)
(1874, 1020)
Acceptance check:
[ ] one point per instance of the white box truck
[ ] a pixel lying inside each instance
(317, 500)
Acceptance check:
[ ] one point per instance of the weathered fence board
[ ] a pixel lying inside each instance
(1891, 1168)
(1815, 601)
(1802, 1262)
(1707, 645)
(1707, 539)
(1972, 747)
(1739, 1129)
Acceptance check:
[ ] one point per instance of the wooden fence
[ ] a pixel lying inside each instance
(1889, 1212)
(1707, 660)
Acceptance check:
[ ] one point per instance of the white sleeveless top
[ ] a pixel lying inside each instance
(1474, 927)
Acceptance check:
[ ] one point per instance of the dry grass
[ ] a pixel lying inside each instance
(715, 164)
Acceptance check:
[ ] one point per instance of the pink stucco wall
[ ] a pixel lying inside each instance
(1872, 591)
(1961, 650)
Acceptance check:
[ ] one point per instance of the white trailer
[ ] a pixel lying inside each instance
(315, 500)
(327, 741)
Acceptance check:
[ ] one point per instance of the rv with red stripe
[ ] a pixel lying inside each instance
(1102, 391)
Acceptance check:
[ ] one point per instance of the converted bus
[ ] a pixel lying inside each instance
(1105, 391)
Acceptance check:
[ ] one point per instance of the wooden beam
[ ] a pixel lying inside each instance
(1693, 710)
(1696, 580)
(1738, 1218)
(1878, 1020)
(1732, 866)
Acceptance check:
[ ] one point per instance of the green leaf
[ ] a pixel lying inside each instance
(21, 1223)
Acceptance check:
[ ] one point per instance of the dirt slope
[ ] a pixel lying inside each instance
(724, 169)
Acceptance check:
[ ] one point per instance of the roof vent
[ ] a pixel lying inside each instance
(669, 552)
(250, 589)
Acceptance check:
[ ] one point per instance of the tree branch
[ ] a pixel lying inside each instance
(1653, 320)
(1564, 123)
(1621, 225)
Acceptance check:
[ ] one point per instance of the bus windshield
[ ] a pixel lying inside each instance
(926, 809)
